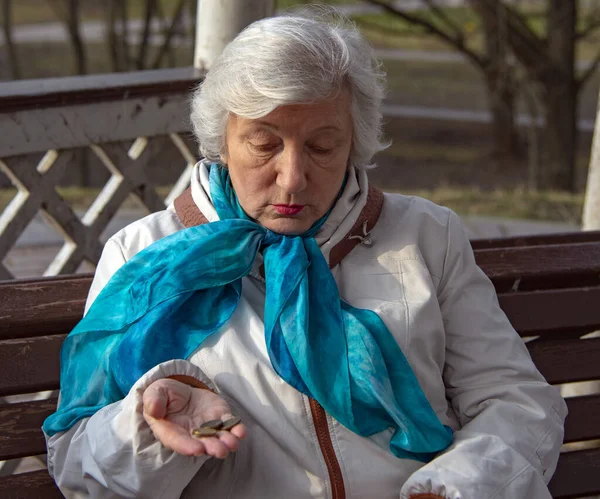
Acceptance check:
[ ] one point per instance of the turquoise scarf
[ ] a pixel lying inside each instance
(164, 302)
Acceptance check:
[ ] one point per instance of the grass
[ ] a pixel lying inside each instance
(426, 152)
(513, 204)
(56, 59)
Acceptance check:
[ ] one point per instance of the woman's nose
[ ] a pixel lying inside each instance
(291, 171)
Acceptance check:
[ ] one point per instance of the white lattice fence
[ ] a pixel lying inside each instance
(37, 148)
(36, 182)
(117, 118)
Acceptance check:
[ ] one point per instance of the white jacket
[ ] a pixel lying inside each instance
(420, 276)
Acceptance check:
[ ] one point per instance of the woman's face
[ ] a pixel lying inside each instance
(288, 166)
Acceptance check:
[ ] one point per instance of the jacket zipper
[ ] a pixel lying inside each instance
(323, 436)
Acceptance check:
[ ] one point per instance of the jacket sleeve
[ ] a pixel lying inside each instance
(115, 454)
(511, 419)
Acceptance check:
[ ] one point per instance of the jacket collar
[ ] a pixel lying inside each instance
(339, 223)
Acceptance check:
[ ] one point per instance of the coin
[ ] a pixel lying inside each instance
(230, 423)
(215, 424)
(203, 432)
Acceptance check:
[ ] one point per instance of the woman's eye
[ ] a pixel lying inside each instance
(266, 147)
(321, 150)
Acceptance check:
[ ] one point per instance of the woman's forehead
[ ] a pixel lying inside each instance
(328, 115)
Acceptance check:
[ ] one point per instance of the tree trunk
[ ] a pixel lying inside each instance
(75, 33)
(124, 22)
(143, 49)
(501, 86)
(113, 40)
(13, 61)
(501, 99)
(559, 139)
(169, 33)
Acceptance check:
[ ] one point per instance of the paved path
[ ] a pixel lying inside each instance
(39, 244)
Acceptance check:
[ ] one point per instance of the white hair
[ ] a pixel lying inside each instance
(286, 60)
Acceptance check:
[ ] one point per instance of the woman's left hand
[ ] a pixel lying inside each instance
(172, 409)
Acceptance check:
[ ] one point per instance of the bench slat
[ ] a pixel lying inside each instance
(20, 428)
(576, 475)
(567, 361)
(21, 435)
(42, 307)
(32, 485)
(534, 313)
(38, 362)
(582, 421)
(568, 265)
(30, 365)
(531, 313)
(536, 240)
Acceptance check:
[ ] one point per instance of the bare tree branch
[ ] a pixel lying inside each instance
(593, 23)
(76, 36)
(124, 21)
(374, 26)
(434, 7)
(527, 46)
(113, 42)
(453, 41)
(589, 71)
(175, 21)
(588, 30)
(149, 14)
(70, 16)
(13, 60)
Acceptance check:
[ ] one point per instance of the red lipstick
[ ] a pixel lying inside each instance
(288, 209)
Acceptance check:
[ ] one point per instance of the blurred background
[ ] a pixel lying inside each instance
(490, 106)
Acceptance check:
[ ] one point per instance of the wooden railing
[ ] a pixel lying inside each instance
(43, 123)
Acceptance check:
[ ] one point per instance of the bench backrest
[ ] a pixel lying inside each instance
(550, 292)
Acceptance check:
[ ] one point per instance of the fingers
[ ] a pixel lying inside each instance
(224, 442)
(177, 438)
(155, 399)
(221, 445)
(238, 431)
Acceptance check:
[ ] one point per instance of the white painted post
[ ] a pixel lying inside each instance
(591, 207)
(219, 21)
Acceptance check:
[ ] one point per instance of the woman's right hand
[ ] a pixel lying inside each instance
(172, 409)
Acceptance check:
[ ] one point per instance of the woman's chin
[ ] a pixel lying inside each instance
(289, 226)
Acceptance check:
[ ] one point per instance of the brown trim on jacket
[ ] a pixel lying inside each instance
(190, 216)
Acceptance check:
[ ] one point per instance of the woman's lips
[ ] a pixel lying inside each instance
(288, 209)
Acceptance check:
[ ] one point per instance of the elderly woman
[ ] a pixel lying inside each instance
(352, 333)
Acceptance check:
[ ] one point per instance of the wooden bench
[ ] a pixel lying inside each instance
(550, 290)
